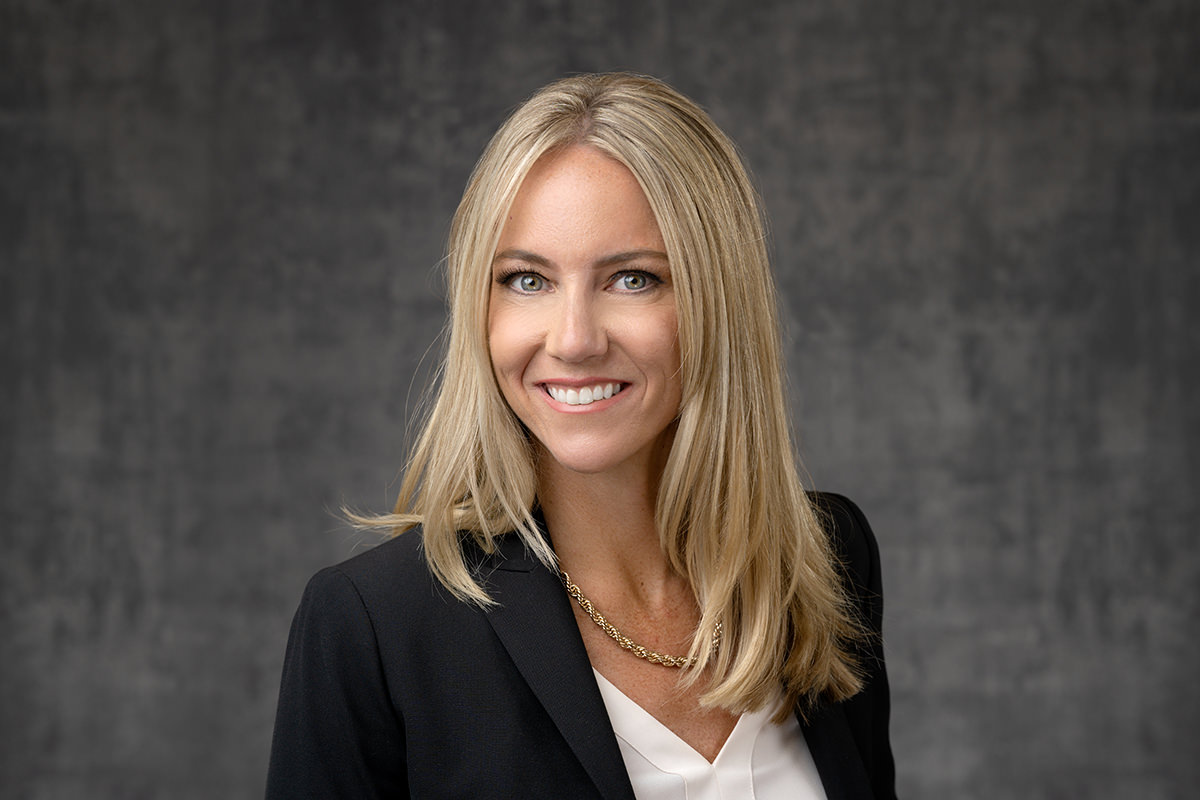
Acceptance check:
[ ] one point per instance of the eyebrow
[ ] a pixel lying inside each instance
(515, 254)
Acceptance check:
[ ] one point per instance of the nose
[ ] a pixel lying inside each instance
(576, 331)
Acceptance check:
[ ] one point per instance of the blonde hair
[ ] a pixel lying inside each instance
(731, 512)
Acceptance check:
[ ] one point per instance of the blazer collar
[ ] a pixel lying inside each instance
(535, 624)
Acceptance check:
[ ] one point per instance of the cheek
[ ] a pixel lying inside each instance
(661, 335)
(506, 345)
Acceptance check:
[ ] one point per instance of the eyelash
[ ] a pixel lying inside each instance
(652, 280)
(506, 278)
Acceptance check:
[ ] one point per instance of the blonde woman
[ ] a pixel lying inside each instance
(608, 581)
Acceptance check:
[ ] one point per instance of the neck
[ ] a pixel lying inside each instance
(603, 531)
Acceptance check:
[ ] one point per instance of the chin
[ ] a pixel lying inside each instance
(589, 457)
(585, 463)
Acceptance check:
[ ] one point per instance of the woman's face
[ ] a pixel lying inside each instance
(581, 321)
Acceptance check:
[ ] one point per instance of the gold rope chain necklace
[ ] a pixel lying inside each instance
(623, 640)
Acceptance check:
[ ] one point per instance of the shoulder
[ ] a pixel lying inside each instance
(395, 557)
(855, 552)
(345, 605)
(391, 584)
(851, 540)
(344, 590)
(391, 592)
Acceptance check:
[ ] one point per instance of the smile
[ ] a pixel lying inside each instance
(584, 396)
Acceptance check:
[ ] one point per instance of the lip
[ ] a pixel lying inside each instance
(580, 383)
(577, 384)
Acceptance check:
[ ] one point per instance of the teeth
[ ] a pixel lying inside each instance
(585, 396)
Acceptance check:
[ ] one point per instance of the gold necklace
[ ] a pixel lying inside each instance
(623, 640)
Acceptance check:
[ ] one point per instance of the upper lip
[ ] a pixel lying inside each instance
(580, 383)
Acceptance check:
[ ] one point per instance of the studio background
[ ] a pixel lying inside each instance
(220, 225)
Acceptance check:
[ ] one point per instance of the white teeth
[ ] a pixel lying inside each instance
(585, 396)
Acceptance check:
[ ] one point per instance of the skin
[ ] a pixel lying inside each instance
(582, 297)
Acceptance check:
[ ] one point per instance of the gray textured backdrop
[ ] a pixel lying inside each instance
(219, 230)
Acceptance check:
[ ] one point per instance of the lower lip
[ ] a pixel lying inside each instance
(595, 405)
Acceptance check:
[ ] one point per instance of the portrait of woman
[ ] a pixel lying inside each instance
(607, 579)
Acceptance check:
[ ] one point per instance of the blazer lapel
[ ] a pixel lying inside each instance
(835, 753)
(536, 626)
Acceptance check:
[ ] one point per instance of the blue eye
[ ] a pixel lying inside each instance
(527, 282)
(635, 281)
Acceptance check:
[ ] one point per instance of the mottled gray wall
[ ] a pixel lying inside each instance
(219, 230)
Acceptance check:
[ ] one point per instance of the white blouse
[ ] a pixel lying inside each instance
(759, 760)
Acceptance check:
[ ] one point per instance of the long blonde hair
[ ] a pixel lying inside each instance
(731, 512)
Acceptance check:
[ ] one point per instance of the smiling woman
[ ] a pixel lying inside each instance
(606, 578)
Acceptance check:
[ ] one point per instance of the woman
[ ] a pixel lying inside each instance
(617, 587)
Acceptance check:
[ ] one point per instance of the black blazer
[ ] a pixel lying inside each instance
(392, 688)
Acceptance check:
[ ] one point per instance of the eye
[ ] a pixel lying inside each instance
(635, 281)
(526, 282)
(530, 282)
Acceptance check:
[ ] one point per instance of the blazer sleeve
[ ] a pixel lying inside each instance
(867, 712)
(337, 733)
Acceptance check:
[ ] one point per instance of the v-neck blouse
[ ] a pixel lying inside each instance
(759, 760)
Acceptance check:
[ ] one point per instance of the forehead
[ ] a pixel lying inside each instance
(579, 201)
